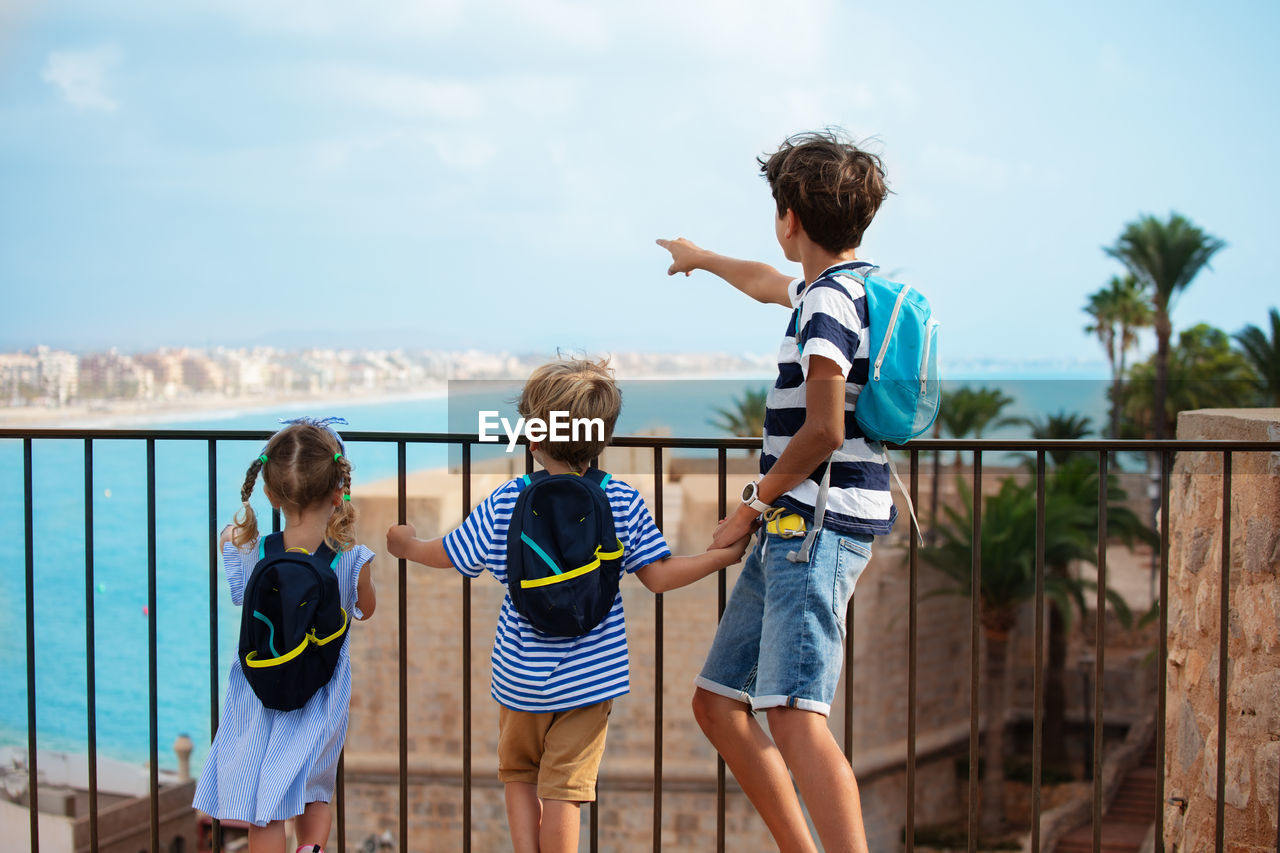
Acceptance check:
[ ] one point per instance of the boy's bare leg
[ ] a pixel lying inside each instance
(827, 783)
(524, 815)
(560, 822)
(267, 839)
(312, 826)
(757, 765)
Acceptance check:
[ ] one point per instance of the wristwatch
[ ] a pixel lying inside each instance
(751, 499)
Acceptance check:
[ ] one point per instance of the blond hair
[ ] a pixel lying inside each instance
(301, 465)
(582, 388)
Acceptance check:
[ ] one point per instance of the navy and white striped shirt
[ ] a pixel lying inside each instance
(829, 320)
(533, 671)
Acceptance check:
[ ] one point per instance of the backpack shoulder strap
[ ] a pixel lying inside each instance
(861, 273)
(326, 556)
(529, 479)
(600, 478)
(270, 545)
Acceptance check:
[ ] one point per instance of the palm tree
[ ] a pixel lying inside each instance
(745, 417)
(1008, 578)
(1164, 257)
(1204, 372)
(965, 411)
(1116, 313)
(1063, 426)
(969, 412)
(1264, 355)
(1074, 482)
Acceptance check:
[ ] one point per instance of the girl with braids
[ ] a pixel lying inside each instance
(267, 766)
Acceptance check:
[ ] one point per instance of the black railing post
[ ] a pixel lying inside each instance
(90, 648)
(913, 628)
(659, 664)
(402, 514)
(722, 485)
(153, 724)
(975, 644)
(1037, 683)
(214, 536)
(1224, 636)
(1099, 642)
(28, 526)
(1166, 471)
(466, 665)
(340, 799)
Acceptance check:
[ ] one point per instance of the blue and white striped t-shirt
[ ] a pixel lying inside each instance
(533, 671)
(829, 319)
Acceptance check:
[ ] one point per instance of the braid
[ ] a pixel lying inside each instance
(246, 523)
(340, 532)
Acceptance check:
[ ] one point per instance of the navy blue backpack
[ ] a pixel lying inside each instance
(564, 558)
(291, 624)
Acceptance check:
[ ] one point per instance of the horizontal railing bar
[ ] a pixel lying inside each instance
(669, 442)
(462, 438)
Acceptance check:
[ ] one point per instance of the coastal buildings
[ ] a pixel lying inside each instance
(43, 379)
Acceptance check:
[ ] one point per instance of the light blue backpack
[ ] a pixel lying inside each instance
(903, 391)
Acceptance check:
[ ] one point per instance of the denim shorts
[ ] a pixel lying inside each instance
(781, 640)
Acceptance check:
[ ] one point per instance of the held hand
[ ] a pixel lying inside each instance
(684, 255)
(399, 538)
(737, 549)
(737, 526)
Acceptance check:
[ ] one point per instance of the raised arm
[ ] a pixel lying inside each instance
(760, 281)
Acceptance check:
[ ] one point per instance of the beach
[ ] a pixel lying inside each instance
(125, 414)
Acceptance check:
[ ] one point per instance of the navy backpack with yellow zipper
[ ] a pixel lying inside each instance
(292, 623)
(564, 558)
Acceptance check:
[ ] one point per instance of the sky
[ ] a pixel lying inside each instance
(492, 175)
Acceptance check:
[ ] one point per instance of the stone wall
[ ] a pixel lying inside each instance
(435, 666)
(1253, 671)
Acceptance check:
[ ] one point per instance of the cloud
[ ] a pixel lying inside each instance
(985, 171)
(432, 100)
(428, 20)
(464, 152)
(81, 76)
(405, 95)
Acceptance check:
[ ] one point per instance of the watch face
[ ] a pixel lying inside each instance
(749, 493)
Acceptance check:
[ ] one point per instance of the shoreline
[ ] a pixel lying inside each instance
(125, 414)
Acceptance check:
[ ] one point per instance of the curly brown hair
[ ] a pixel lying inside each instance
(834, 187)
(304, 464)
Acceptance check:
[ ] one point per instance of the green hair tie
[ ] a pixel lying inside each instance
(346, 497)
(337, 456)
(263, 459)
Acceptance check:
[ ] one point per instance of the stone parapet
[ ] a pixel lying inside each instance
(1253, 665)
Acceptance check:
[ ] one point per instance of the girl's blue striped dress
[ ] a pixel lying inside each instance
(266, 765)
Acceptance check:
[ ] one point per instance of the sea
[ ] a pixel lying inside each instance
(118, 585)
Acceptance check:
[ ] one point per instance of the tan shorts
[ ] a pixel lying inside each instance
(559, 751)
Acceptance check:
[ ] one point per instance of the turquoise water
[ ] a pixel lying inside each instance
(675, 407)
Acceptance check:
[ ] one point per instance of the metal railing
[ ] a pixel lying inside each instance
(660, 448)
